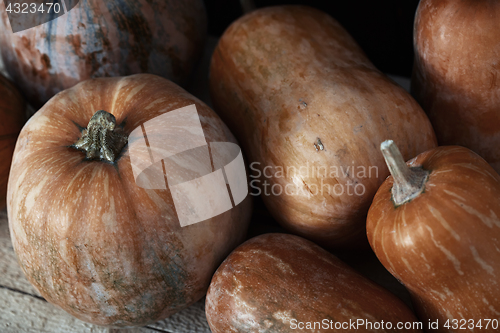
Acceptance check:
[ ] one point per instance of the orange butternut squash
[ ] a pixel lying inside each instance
(310, 110)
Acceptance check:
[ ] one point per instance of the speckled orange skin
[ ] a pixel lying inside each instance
(87, 237)
(104, 38)
(444, 245)
(455, 78)
(12, 118)
(282, 77)
(274, 278)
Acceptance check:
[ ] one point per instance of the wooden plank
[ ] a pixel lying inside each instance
(24, 313)
(197, 322)
(11, 275)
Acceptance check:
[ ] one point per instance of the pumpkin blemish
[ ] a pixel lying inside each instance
(319, 145)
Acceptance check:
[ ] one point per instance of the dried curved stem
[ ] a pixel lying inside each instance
(409, 183)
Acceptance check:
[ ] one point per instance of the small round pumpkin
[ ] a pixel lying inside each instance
(105, 38)
(12, 118)
(86, 235)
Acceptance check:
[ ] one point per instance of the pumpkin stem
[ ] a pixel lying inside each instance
(408, 182)
(102, 139)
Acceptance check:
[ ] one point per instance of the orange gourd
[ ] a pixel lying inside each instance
(283, 283)
(455, 77)
(435, 226)
(310, 110)
(86, 235)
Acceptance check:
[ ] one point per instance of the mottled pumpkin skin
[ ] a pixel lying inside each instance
(282, 77)
(444, 245)
(12, 118)
(105, 38)
(273, 279)
(86, 236)
(456, 72)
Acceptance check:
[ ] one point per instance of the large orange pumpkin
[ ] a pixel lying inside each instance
(104, 38)
(12, 118)
(435, 225)
(310, 110)
(87, 237)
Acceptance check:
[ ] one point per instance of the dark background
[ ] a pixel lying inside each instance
(382, 28)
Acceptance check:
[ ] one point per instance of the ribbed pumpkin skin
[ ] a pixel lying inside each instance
(105, 38)
(86, 236)
(444, 244)
(456, 72)
(274, 278)
(282, 77)
(12, 118)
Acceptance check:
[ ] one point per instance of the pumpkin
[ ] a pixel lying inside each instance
(99, 39)
(282, 283)
(435, 226)
(309, 110)
(457, 47)
(12, 115)
(87, 236)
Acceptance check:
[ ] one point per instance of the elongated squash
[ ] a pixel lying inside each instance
(310, 110)
(283, 283)
(455, 77)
